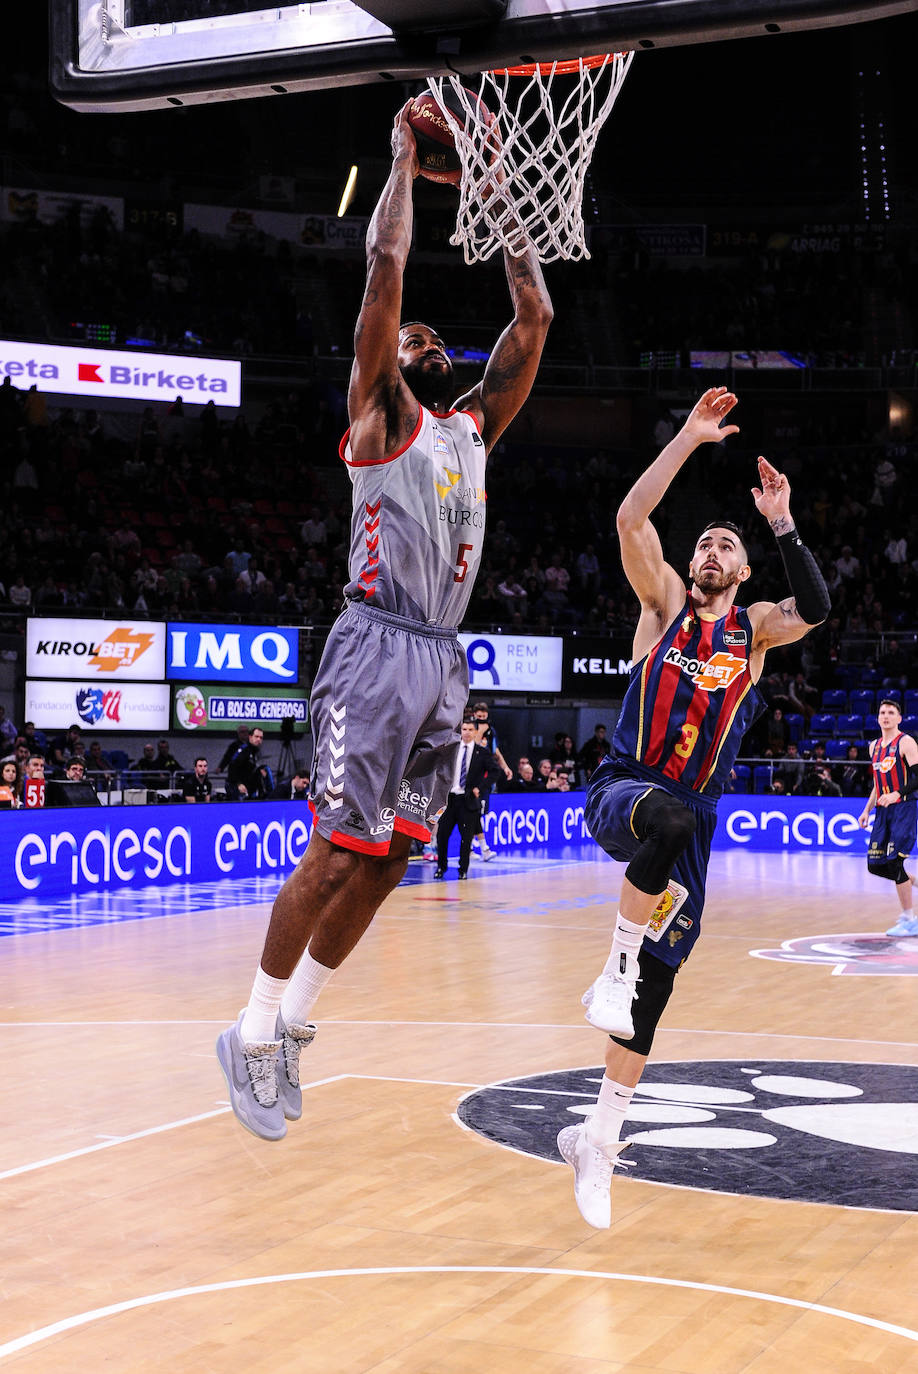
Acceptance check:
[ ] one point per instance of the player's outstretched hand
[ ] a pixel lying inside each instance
(403, 140)
(705, 423)
(772, 499)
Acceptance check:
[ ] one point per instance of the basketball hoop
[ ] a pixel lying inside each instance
(523, 175)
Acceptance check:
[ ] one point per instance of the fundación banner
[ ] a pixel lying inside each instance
(106, 650)
(98, 706)
(103, 372)
(58, 853)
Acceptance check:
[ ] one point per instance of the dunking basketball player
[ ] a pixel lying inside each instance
(894, 762)
(652, 801)
(390, 690)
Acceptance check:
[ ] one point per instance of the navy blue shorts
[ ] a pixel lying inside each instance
(613, 793)
(893, 833)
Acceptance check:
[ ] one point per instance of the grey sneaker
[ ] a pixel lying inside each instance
(292, 1039)
(593, 1169)
(251, 1076)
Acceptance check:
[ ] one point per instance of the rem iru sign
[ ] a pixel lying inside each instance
(514, 663)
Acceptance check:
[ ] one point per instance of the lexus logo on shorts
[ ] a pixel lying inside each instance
(800, 1130)
(387, 815)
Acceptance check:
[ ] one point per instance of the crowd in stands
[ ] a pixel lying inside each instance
(178, 515)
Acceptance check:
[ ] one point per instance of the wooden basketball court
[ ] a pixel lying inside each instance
(145, 1230)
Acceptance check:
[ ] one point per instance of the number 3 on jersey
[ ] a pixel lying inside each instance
(462, 567)
(687, 742)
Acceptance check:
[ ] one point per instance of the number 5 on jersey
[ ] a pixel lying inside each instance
(461, 566)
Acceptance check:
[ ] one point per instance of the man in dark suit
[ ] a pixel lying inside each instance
(472, 765)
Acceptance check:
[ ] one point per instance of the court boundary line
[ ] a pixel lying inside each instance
(110, 1141)
(82, 1319)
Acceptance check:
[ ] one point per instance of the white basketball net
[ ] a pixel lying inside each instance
(548, 118)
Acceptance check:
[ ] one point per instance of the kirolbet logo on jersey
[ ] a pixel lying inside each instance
(712, 674)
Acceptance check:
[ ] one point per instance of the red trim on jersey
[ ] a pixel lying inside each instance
(886, 781)
(730, 698)
(667, 687)
(417, 832)
(445, 415)
(698, 706)
(380, 462)
(379, 849)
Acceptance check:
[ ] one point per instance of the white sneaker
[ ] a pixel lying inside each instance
(593, 1168)
(608, 1001)
(486, 853)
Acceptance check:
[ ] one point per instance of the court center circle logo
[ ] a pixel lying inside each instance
(866, 953)
(803, 1131)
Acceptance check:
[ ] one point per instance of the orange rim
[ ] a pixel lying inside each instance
(566, 68)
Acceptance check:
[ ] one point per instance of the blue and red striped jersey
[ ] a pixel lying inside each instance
(890, 770)
(691, 700)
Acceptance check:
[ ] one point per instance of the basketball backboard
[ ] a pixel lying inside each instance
(147, 54)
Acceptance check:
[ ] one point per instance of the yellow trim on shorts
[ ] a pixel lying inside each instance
(650, 789)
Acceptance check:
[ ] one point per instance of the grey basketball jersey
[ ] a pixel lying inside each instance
(419, 520)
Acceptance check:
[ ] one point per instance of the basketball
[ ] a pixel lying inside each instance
(437, 154)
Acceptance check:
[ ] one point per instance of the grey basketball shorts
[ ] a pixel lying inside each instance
(386, 704)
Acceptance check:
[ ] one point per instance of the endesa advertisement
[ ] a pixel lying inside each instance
(99, 650)
(48, 853)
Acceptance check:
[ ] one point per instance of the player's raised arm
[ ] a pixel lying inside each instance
(658, 587)
(514, 361)
(380, 405)
(809, 604)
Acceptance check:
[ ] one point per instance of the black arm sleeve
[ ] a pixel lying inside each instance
(806, 581)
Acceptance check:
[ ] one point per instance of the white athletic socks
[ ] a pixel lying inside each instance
(627, 940)
(260, 1020)
(309, 978)
(604, 1124)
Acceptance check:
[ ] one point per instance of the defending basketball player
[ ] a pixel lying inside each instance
(390, 689)
(894, 764)
(652, 802)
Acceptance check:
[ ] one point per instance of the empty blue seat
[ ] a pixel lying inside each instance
(850, 726)
(761, 777)
(861, 702)
(743, 779)
(834, 699)
(870, 677)
(822, 726)
(911, 703)
(910, 724)
(837, 749)
(119, 758)
(795, 722)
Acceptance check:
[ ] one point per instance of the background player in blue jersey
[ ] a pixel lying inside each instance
(894, 764)
(390, 690)
(652, 802)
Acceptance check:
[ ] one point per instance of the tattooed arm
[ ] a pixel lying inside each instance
(513, 364)
(381, 409)
(809, 605)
